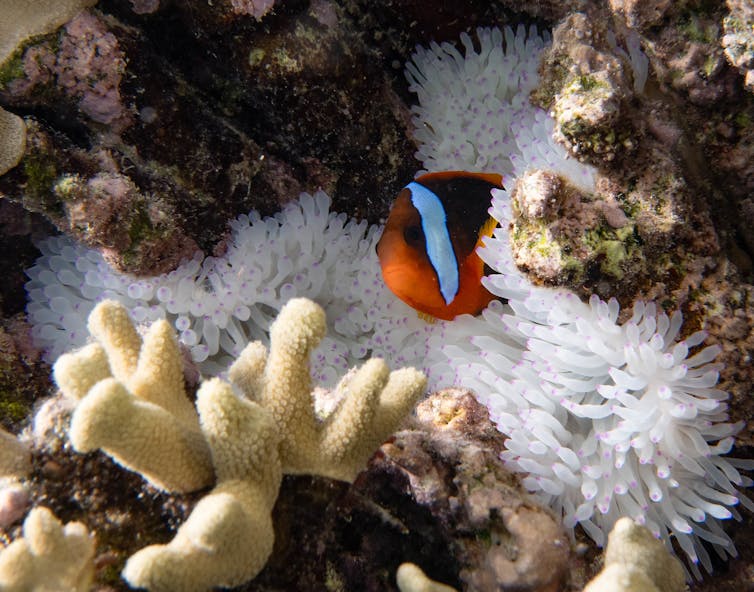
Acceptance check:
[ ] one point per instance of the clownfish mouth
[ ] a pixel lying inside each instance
(427, 251)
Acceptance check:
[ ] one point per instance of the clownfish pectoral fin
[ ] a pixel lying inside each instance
(426, 317)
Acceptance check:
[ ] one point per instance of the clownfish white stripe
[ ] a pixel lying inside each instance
(439, 248)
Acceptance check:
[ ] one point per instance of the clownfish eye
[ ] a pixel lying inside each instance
(413, 235)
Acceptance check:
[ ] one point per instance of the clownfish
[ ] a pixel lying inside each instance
(427, 251)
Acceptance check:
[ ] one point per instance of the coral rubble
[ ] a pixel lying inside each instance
(634, 562)
(738, 40)
(15, 460)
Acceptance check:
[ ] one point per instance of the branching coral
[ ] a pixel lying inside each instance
(228, 537)
(373, 400)
(12, 140)
(411, 578)
(50, 556)
(637, 562)
(142, 417)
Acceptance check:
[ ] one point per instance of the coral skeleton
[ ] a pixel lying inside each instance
(604, 420)
(133, 405)
(255, 8)
(218, 305)
(635, 561)
(14, 501)
(15, 467)
(49, 556)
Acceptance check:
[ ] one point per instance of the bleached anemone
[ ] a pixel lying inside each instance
(474, 112)
(604, 419)
(219, 304)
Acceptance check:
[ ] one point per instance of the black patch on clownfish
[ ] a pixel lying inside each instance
(466, 199)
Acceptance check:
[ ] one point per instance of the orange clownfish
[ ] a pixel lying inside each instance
(428, 248)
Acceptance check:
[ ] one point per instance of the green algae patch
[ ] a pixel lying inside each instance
(12, 68)
(41, 175)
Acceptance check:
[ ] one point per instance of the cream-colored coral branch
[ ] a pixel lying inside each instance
(132, 405)
(48, 557)
(411, 578)
(373, 400)
(228, 537)
(12, 140)
(132, 401)
(635, 561)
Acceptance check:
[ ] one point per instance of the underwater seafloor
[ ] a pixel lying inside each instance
(150, 124)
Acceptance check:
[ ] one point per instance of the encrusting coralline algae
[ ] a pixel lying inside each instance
(605, 419)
